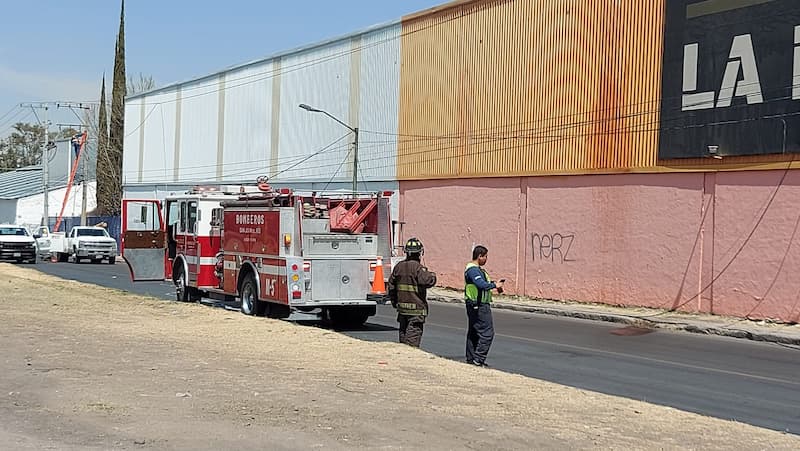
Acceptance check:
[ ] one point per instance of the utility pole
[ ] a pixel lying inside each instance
(46, 170)
(84, 190)
(45, 157)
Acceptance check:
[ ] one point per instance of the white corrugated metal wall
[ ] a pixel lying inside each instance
(158, 132)
(248, 122)
(320, 78)
(244, 122)
(198, 131)
(130, 155)
(380, 103)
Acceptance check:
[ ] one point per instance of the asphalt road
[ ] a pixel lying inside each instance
(750, 382)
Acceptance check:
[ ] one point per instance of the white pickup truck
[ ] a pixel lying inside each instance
(87, 242)
(17, 244)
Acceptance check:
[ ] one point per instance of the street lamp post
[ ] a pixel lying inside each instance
(355, 140)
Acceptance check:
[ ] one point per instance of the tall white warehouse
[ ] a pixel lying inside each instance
(235, 125)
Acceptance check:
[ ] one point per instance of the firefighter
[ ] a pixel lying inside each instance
(478, 299)
(408, 287)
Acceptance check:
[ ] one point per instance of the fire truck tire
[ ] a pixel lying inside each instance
(62, 257)
(249, 297)
(181, 287)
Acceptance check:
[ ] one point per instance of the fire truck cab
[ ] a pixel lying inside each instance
(275, 252)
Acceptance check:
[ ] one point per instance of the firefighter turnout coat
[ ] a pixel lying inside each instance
(408, 286)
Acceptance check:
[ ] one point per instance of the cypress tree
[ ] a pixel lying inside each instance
(112, 193)
(104, 181)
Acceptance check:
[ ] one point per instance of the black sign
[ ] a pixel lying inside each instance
(731, 78)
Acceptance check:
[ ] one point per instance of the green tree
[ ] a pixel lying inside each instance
(98, 126)
(25, 144)
(102, 119)
(109, 188)
(23, 147)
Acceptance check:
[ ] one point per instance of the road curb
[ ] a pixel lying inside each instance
(696, 328)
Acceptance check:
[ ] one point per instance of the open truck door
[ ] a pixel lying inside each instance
(143, 239)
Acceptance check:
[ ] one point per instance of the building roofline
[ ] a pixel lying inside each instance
(442, 8)
(271, 57)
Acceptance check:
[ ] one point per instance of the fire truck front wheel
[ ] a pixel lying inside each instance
(183, 292)
(249, 297)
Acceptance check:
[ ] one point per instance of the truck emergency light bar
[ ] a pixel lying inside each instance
(229, 189)
(254, 189)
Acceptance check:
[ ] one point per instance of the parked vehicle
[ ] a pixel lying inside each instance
(278, 252)
(17, 244)
(84, 242)
(42, 236)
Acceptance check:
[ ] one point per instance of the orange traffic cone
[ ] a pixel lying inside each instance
(378, 285)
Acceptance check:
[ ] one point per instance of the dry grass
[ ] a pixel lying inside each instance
(318, 382)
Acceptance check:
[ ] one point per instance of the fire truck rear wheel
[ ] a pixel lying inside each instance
(249, 298)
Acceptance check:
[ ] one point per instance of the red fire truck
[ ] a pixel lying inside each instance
(274, 252)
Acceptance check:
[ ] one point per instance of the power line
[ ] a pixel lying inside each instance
(254, 164)
(15, 118)
(339, 168)
(531, 141)
(479, 152)
(551, 128)
(292, 167)
(8, 112)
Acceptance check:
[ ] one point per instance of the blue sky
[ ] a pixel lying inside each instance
(57, 50)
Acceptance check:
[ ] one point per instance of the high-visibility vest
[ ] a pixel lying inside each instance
(472, 292)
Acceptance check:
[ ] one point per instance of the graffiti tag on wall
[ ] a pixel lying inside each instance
(552, 247)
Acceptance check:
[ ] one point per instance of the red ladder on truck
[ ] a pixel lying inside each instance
(69, 183)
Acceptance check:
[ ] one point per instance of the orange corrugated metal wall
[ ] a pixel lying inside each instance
(530, 87)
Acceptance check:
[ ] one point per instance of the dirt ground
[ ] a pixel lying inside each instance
(84, 367)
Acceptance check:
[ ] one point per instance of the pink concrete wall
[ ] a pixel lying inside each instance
(756, 256)
(712, 242)
(625, 239)
(450, 217)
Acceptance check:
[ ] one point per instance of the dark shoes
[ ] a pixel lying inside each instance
(480, 364)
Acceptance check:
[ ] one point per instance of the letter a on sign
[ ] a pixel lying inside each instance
(741, 57)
